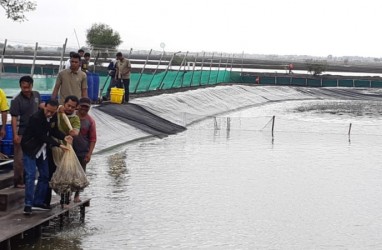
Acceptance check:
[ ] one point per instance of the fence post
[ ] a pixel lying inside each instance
(220, 61)
(62, 54)
(34, 59)
(193, 69)
(155, 71)
(2, 57)
(143, 69)
(209, 75)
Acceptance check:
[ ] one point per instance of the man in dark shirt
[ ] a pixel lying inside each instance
(23, 106)
(37, 136)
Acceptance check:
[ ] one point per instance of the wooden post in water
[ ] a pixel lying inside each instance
(349, 129)
(34, 59)
(273, 125)
(2, 56)
(215, 123)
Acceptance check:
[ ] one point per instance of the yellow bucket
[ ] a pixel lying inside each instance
(117, 95)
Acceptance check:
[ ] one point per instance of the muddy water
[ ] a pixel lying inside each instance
(225, 183)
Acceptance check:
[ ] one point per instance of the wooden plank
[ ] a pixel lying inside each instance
(11, 198)
(17, 222)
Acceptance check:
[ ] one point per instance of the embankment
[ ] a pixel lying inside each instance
(119, 124)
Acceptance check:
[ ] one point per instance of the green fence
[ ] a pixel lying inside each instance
(165, 80)
(139, 83)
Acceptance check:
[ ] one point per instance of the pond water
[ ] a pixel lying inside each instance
(226, 183)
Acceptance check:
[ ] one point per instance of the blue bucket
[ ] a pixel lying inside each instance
(7, 147)
(9, 132)
(45, 97)
(89, 77)
(7, 142)
(95, 87)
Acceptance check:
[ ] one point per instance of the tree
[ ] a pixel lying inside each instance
(102, 37)
(316, 67)
(15, 9)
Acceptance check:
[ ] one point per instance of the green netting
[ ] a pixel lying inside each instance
(175, 79)
(180, 79)
(268, 80)
(298, 81)
(361, 83)
(329, 82)
(248, 79)
(345, 83)
(283, 80)
(376, 84)
(314, 82)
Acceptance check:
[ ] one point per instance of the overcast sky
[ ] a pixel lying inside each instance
(294, 27)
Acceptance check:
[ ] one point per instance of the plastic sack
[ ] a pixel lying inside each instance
(69, 175)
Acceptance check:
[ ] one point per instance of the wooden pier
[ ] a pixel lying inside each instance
(14, 223)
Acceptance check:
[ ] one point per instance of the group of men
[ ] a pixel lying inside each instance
(119, 71)
(84, 60)
(36, 130)
(36, 127)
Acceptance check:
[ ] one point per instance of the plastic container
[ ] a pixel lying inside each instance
(117, 95)
(7, 147)
(89, 77)
(45, 97)
(95, 87)
(9, 132)
(7, 142)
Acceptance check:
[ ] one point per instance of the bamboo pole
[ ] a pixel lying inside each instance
(34, 59)
(193, 69)
(2, 57)
(220, 61)
(62, 54)
(232, 62)
(209, 75)
(143, 69)
(155, 71)
(242, 62)
(177, 73)
(168, 66)
(201, 69)
(225, 69)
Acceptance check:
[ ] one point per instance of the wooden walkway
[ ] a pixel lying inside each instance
(16, 223)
